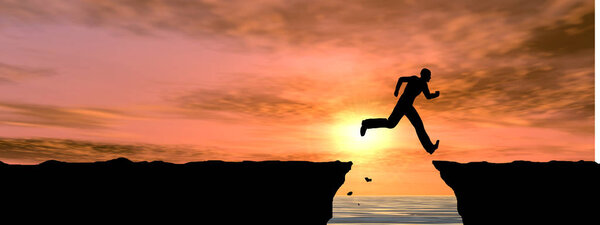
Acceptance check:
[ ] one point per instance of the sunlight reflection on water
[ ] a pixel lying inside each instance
(397, 210)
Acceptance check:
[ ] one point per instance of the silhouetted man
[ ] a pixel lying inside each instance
(414, 86)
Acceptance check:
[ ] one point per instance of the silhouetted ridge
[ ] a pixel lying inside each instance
(522, 192)
(211, 192)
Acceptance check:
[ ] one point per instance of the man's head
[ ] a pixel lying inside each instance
(426, 74)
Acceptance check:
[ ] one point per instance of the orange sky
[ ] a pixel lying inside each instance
(186, 81)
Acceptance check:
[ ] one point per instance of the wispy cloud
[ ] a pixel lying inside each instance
(520, 61)
(563, 37)
(34, 150)
(248, 96)
(14, 73)
(546, 79)
(24, 114)
(294, 22)
(550, 94)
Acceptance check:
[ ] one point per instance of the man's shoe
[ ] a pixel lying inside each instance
(434, 147)
(363, 130)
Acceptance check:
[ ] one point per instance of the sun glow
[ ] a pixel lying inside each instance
(346, 137)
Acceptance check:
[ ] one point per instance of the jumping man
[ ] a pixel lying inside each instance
(414, 86)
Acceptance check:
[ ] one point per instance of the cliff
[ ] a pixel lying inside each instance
(211, 192)
(521, 192)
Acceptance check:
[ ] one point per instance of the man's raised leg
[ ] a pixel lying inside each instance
(390, 122)
(372, 123)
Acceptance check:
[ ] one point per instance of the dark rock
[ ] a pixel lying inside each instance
(213, 192)
(349, 193)
(368, 179)
(521, 192)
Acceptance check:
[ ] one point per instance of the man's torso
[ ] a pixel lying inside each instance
(413, 88)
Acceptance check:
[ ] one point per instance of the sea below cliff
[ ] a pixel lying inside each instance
(395, 210)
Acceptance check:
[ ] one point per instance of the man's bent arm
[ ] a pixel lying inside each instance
(399, 84)
(428, 94)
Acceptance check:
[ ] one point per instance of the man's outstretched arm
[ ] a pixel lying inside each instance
(428, 94)
(399, 84)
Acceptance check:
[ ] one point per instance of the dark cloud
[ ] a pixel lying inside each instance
(297, 22)
(45, 149)
(546, 96)
(556, 39)
(301, 156)
(35, 150)
(529, 60)
(545, 80)
(564, 38)
(250, 103)
(541, 152)
(259, 97)
(15, 73)
(23, 114)
(42, 149)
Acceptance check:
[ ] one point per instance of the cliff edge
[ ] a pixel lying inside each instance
(522, 192)
(211, 192)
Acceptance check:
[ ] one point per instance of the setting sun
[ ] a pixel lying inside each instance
(346, 137)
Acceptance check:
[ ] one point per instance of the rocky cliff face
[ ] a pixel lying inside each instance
(213, 192)
(525, 192)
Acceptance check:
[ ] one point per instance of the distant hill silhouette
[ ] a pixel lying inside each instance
(523, 192)
(213, 192)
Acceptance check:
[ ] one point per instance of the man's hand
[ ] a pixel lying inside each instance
(400, 80)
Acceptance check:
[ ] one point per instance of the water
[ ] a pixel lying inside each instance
(395, 210)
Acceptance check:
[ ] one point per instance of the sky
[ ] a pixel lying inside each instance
(182, 81)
